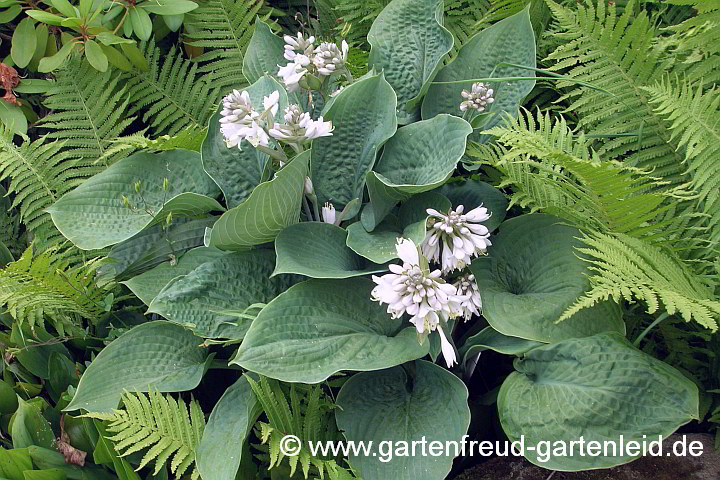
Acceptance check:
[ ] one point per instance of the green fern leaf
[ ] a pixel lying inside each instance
(88, 109)
(172, 93)
(224, 29)
(165, 426)
(630, 269)
(36, 287)
(693, 117)
(614, 53)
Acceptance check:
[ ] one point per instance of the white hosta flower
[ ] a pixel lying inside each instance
(241, 122)
(454, 239)
(298, 44)
(468, 289)
(291, 75)
(328, 213)
(329, 58)
(421, 293)
(299, 126)
(479, 97)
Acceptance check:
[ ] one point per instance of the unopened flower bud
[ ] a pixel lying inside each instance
(166, 184)
(138, 184)
(308, 186)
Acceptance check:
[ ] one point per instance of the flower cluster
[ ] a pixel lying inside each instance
(479, 97)
(306, 59)
(454, 239)
(415, 290)
(240, 121)
(420, 291)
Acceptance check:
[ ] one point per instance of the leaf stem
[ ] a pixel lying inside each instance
(650, 327)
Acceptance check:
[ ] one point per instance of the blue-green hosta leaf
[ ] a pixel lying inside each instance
(363, 116)
(271, 207)
(152, 247)
(531, 274)
(148, 284)
(232, 418)
(318, 250)
(237, 171)
(510, 40)
(418, 158)
(597, 388)
(473, 193)
(159, 355)
(206, 299)
(264, 53)
(408, 44)
(387, 406)
(320, 327)
(411, 222)
(94, 215)
(490, 339)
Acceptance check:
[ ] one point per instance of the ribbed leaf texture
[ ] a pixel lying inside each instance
(40, 172)
(161, 424)
(224, 29)
(88, 109)
(172, 94)
(693, 117)
(38, 286)
(629, 269)
(552, 170)
(308, 415)
(614, 52)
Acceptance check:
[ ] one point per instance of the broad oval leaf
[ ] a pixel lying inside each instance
(265, 53)
(147, 285)
(418, 158)
(597, 388)
(510, 40)
(320, 327)
(388, 406)
(208, 299)
(531, 275)
(159, 355)
(318, 250)
(94, 214)
(363, 117)
(238, 171)
(232, 418)
(24, 42)
(96, 56)
(408, 44)
(30, 427)
(270, 208)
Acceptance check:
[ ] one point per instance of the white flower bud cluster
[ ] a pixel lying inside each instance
(240, 121)
(479, 97)
(321, 61)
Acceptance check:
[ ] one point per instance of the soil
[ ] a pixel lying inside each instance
(704, 467)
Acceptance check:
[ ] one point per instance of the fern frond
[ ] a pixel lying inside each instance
(697, 41)
(551, 169)
(88, 109)
(40, 172)
(161, 424)
(189, 138)
(464, 19)
(630, 269)
(307, 415)
(693, 117)
(10, 234)
(171, 93)
(614, 52)
(38, 286)
(224, 29)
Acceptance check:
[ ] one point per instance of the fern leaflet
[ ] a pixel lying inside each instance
(165, 426)
(171, 93)
(39, 286)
